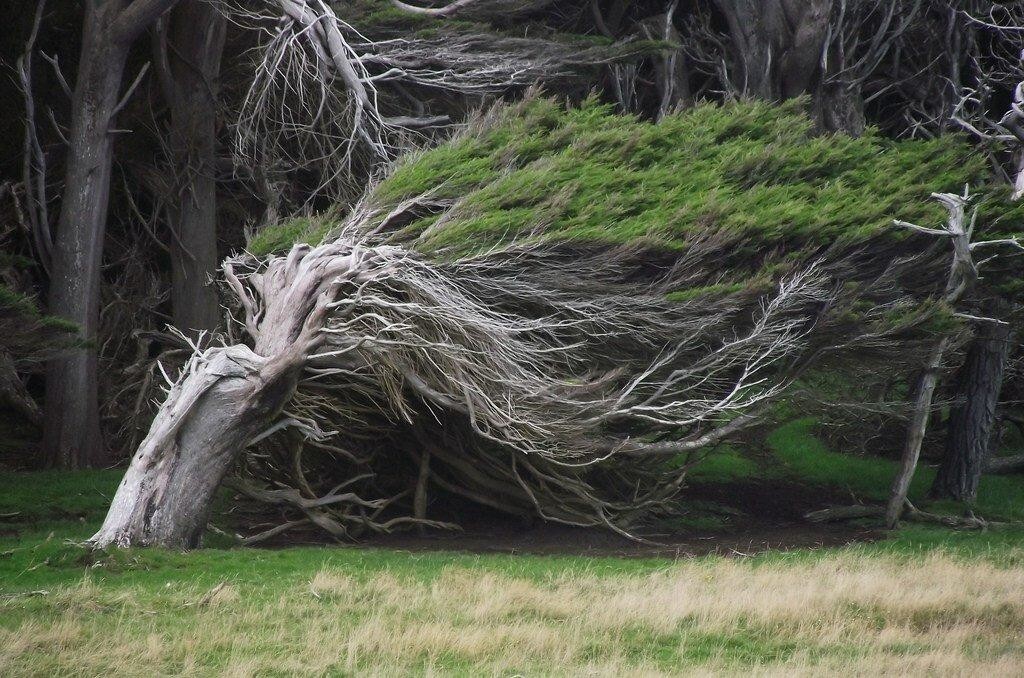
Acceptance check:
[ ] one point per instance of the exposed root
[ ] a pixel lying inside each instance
(969, 521)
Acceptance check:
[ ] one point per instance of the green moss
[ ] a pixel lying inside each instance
(725, 464)
(280, 237)
(719, 290)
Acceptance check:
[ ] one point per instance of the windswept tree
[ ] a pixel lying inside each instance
(489, 321)
(316, 82)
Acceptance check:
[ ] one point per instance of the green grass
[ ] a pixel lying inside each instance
(725, 464)
(304, 609)
(43, 514)
(805, 457)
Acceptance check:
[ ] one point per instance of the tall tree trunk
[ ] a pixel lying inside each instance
(777, 44)
(71, 433)
(195, 42)
(970, 424)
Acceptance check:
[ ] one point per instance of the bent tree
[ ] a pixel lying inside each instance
(335, 75)
(486, 323)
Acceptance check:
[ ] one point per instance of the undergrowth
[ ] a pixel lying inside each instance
(927, 601)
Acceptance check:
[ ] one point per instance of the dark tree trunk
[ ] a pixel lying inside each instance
(970, 424)
(777, 45)
(839, 107)
(195, 42)
(671, 78)
(71, 432)
(777, 48)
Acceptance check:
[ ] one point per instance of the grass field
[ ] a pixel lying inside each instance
(925, 601)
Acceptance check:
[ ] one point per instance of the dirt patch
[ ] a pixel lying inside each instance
(761, 517)
(549, 539)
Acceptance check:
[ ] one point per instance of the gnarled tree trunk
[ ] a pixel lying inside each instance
(970, 423)
(223, 400)
(209, 417)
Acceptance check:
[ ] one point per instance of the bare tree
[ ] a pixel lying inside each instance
(963, 275)
(318, 98)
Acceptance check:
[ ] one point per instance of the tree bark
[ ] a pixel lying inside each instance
(777, 44)
(71, 434)
(195, 42)
(839, 107)
(227, 398)
(970, 424)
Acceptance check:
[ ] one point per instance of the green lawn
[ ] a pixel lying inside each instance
(869, 478)
(925, 600)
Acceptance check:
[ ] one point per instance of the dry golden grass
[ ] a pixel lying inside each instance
(846, 613)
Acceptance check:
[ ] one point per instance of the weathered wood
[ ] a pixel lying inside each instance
(998, 465)
(226, 398)
(915, 434)
(968, 521)
(209, 417)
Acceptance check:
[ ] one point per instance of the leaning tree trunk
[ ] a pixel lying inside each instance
(227, 398)
(971, 421)
(193, 50)
(71, 433)
(916, 430)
